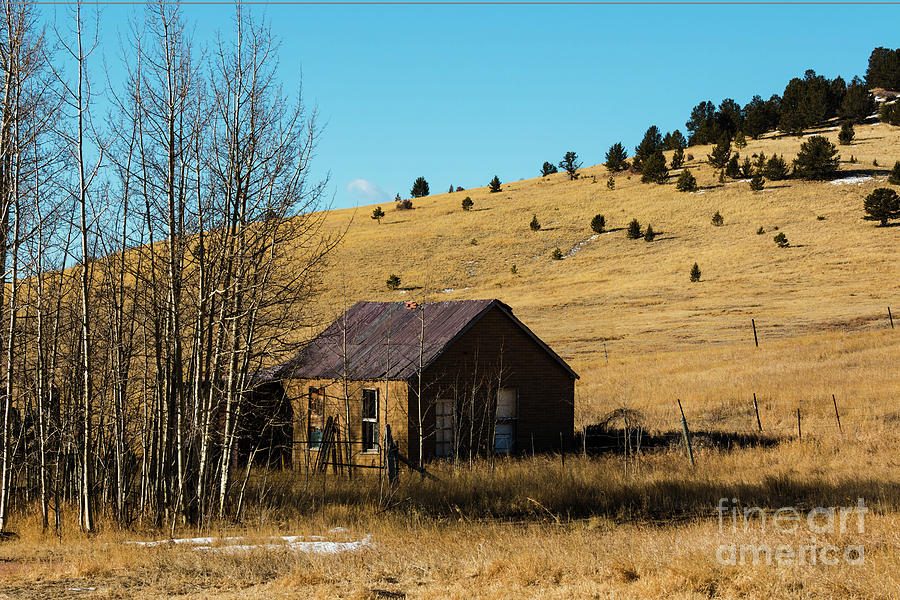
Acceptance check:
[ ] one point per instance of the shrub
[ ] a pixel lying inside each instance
(686, 182)
(776, 168)
(393, 282)
(695, 273)
(611, 183)
(598, 224)
(747, 169)
(467, 203)
(460, 188)
(881, 205)
(649, 234)
(677, 158)
(654, 169)
(817, 159)
(634, 230)
(419, 188)
(556, 254)
(847, 133)
(570, 164)
(535, 224)
(739, 140)
(548, 169)
(615, 158)
(820, 218)
(875, 162)
(513, 270)
(404, 204)
(852, 160)
(781, 240)
(718, 220)
(378, 214)
(761, 230)
(757, 183)
(894, 177)
(473, 242)
(494, 185)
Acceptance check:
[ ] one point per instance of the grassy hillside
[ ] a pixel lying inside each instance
(820, 305)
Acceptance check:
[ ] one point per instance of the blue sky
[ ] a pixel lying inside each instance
(458, 94)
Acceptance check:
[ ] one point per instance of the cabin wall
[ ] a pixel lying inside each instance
(392, 406)
(495, 353)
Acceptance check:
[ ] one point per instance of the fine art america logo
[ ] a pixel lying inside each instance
(789, 520)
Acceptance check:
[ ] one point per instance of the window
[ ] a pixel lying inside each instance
(444, 428)
(507, 415)
(370, 420)
(316, 417)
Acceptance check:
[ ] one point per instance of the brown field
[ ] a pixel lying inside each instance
(596, 527)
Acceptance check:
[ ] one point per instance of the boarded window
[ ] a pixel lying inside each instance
(316, 417)
(445, 428)
(507, 415)
(370, 420)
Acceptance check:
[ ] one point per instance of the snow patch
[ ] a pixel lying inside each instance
(858, 180)
(580, 245)
(313, 544)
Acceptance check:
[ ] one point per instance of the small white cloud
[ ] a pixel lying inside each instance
(367, 190)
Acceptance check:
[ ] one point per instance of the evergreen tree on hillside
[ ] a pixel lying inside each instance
(761, 115)
(858, 103)
(674, 141)
(419, 188)
(881, 205)
(740, 141)
(817, 160)
(570, 164)
(720, 153)
(378, 214)
(686, 182)
(890, 113)
(651, 144)
(695, 273)
(634, 230)
(729, 117)
(494, 185)
(598, 224)
(776, 168)
(615, 157)
(846, 134)
(548, 169)
(884, 69)
(894, 177)
(677, 158)
(703, 126)
(757, 183)
(655, 170)
(733, 167)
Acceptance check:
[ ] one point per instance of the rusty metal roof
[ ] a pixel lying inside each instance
(383, 340)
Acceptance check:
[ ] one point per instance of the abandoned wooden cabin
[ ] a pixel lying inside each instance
(480, 379)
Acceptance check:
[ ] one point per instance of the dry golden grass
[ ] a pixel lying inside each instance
(531, 528)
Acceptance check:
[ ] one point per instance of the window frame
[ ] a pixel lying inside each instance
(372, 445)
(316, 394)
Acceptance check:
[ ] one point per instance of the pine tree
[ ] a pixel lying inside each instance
(881, 205)
(781, 240)
(649, 234)
(393, 282)
(548, 169)
(611, 183)
(494, 185)
(378, 214)
(557, 254)
(419, 188)
(740, 141)
(757, 182)
(817, 159)
(695, 273)
(634, 230)
(776, 168)
(847, 133)
(894, 177)
(650, 145)
(570, 164)
(598, 224)
(654, 169)
(747, 169)
(717, 219)
(677, 158)
(720, 154)
(615, 158)
(686, 182)
(733, 168)
(467, 203)
(535, 224)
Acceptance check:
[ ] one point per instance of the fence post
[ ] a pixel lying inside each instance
(391, 455)
(755, 339)
(891, 317)
(836, 415)
(799, 431)
(687, 434)
(756, 408)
